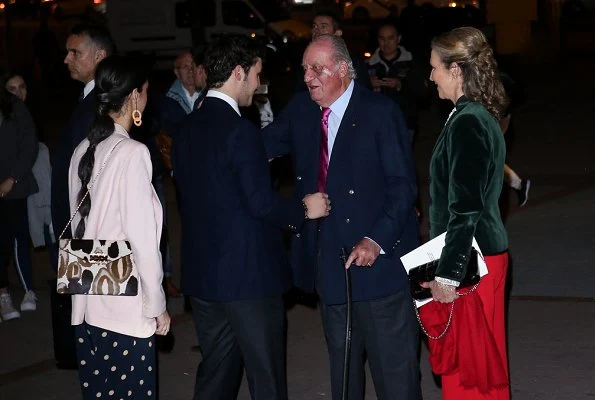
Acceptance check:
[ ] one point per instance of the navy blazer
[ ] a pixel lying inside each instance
(231, 248)
(73, 134)
(171, 115)
(371, 184)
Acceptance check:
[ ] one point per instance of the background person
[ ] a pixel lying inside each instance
(115, 334)
(394, 73)
(38, 204)
(86, 46)
(466, 173)
(18, 151)
(521, 186)
(181, 99)
(38, 214)
(181, 96)
(15, 84)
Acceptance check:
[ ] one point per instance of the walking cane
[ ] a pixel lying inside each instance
(348, 325)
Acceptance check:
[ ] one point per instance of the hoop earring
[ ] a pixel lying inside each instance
(137, 117)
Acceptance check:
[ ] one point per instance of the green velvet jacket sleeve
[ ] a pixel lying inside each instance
(466, 175)
(470, 162)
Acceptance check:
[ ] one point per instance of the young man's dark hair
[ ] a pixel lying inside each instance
(98, 34)
(330, 14)
(227, 52)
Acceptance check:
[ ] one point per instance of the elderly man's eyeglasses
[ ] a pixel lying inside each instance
(319, 70)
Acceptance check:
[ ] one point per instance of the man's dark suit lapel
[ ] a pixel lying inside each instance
(312, 144)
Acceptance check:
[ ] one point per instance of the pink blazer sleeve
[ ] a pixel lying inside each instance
(142, 220)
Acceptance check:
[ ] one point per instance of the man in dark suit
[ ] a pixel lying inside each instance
(371, 182)
(233, 261)
(86, 45)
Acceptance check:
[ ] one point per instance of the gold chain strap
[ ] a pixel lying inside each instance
(448, 323)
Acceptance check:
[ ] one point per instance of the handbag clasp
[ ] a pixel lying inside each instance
(98, 258)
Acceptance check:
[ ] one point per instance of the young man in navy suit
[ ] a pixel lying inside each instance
(353, 144)
(233, 260)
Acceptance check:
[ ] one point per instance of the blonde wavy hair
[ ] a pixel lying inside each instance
(469, 49)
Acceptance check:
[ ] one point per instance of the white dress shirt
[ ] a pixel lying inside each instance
(88, 87)
(336, 116)
(225, 98)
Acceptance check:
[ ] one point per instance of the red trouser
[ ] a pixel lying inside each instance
(491, 292)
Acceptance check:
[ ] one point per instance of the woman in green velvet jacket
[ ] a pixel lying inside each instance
(466, 174)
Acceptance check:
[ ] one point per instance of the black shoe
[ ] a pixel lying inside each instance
(523, 192)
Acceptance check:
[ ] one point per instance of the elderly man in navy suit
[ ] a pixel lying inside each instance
(233, 260)
(352, 144)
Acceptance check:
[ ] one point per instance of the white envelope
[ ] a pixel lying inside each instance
(431, 251)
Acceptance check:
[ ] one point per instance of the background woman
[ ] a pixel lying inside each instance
(466, 173)
(18, 150)
(39, 230)
(115, 334)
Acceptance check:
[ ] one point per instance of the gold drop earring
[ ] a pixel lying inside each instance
(137, 116)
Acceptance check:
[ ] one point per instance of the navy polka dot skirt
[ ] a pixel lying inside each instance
(115, 366)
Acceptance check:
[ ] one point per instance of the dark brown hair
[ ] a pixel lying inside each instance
(115, 79)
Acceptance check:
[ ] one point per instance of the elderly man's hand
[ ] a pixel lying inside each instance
(363, 254)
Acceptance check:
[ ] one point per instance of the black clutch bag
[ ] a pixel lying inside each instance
(427, 273)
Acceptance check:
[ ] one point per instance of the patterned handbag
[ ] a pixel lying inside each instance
(96, 266)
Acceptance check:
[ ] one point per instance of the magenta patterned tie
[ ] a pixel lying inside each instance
(323, 160)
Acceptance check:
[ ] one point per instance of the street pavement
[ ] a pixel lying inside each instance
(552, 243)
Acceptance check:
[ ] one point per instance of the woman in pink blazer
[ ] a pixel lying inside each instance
(115, 334)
